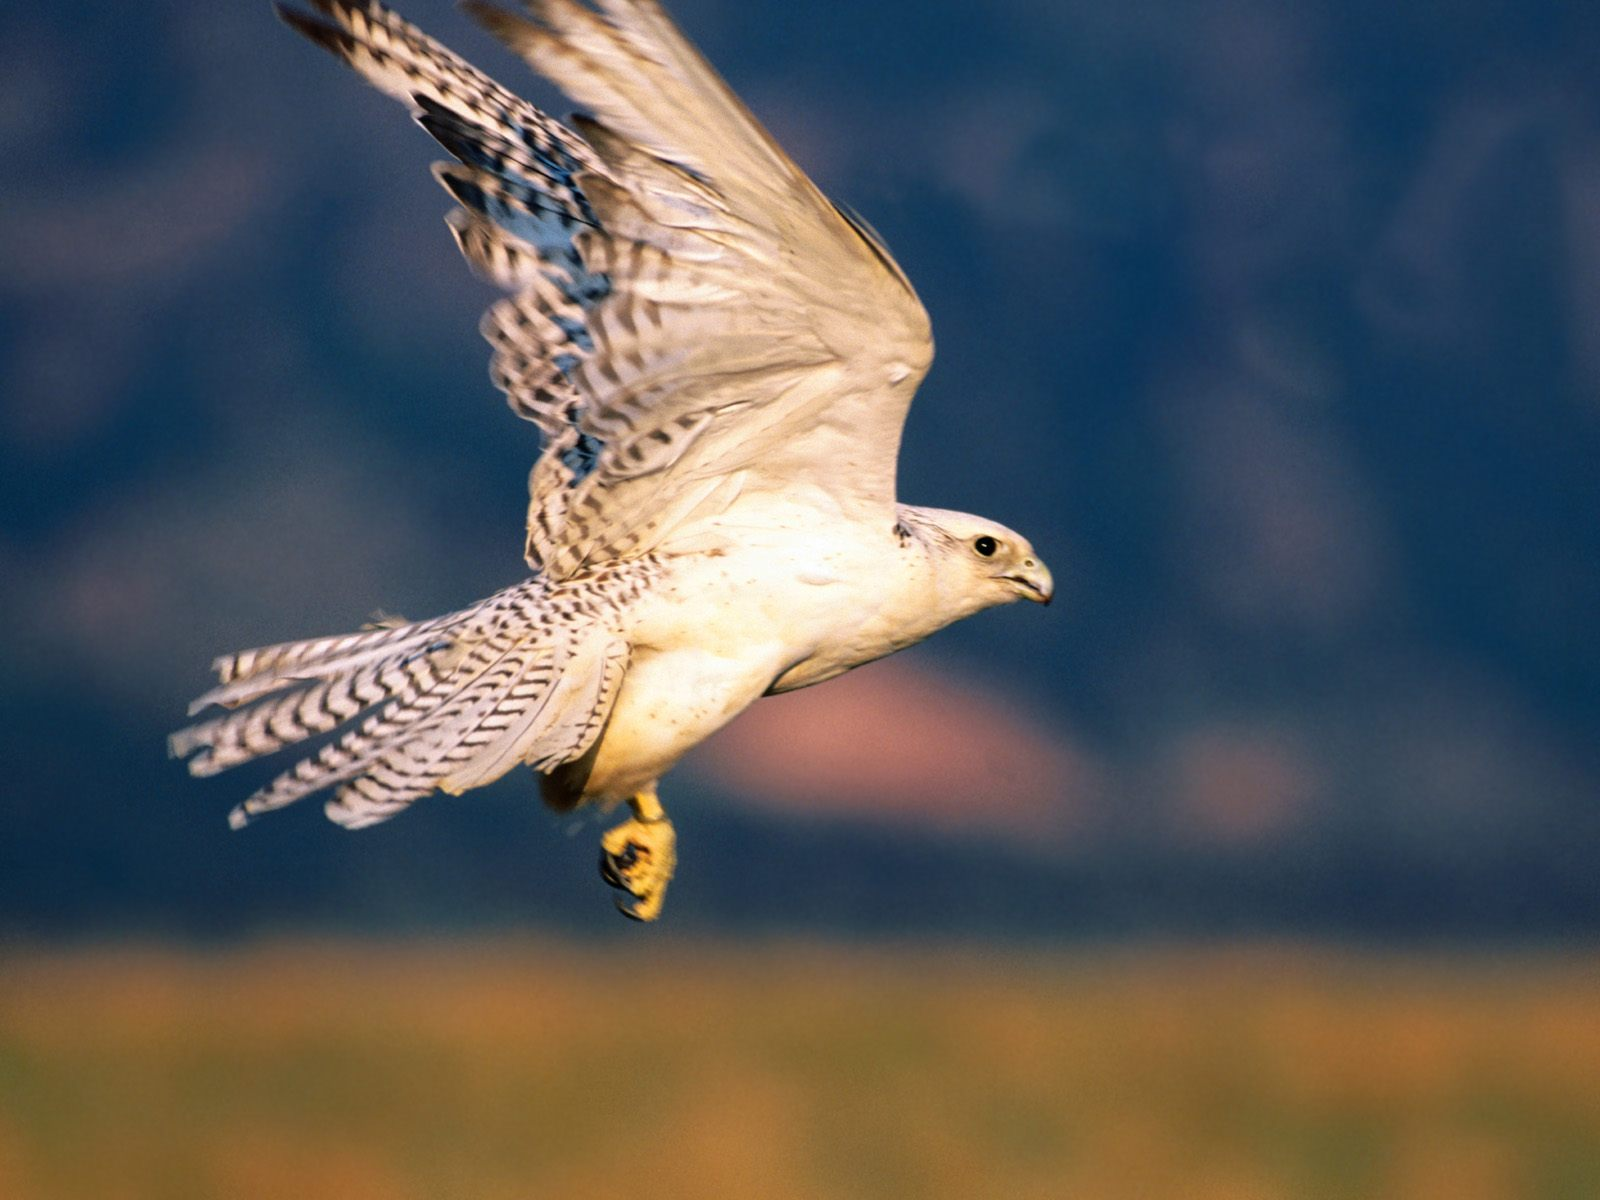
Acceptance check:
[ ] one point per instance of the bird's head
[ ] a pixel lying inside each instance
(994, 565)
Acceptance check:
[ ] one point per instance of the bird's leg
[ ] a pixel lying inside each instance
(638, 857)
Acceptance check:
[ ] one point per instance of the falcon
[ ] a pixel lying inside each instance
(719, 361)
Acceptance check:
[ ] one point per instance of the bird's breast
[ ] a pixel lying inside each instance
(719, 631)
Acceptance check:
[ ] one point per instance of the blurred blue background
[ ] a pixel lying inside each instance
(1276, 326)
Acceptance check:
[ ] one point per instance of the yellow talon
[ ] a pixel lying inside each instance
(639, 857)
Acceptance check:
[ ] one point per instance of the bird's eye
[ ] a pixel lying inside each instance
(986, 546)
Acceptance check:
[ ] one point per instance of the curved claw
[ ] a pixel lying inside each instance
(633, 909)
(638, 857)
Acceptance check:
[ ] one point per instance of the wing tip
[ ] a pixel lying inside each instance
(514, 29)
(308, 25)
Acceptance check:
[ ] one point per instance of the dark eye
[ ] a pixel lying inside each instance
(986, 546)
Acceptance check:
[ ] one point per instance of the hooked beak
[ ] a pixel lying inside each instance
(1034, 582)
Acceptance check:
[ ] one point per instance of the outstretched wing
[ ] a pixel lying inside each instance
(695, 325)
(514, 177)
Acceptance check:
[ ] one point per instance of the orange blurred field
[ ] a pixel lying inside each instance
(533, 1069)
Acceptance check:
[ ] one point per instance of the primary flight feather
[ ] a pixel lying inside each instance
(719, 361)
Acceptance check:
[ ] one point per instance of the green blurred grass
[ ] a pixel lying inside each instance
(521, 1069)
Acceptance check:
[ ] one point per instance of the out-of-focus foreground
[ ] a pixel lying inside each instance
(536, 1069)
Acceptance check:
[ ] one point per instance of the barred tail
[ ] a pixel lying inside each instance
(452, 703)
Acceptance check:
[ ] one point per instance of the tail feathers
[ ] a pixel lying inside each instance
(453, 703)
(507, 697)
(250, 674)
(387, 754)
(280, 721)
(543, 721)
(571, 738)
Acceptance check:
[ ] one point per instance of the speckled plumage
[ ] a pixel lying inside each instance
(719, 361)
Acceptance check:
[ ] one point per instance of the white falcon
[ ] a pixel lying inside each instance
(720, 362)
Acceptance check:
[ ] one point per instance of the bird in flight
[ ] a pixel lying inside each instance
(719, 361)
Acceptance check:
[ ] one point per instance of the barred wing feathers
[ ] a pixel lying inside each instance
(753, 339)
(514, 177)
(694, 323)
